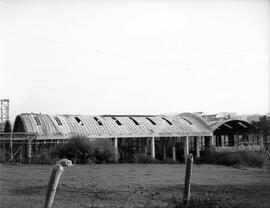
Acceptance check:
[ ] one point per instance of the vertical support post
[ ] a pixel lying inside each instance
(173, 153)
(197, 140)
(115, 145)
(261, 141)
(186, 194)
(186, 148)
(29, 151)
(11, 146)
(164, 149)
(211, 142)
(52, 186)
(146, 146)
(153, 154)
(222, 141)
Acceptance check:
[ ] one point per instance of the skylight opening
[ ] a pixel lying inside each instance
(98, 121)
(79, 120)
(117, 121)
(152, 122)
(37, 120)
(170, 123)
(187, 121)
(136, 122)
(58, 121)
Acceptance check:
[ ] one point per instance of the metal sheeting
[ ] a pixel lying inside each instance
(239, 124)
(55, 126)
(198, 121)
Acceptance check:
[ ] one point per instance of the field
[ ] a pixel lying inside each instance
(129, 185)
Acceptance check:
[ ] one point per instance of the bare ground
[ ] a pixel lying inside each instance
(129, 185)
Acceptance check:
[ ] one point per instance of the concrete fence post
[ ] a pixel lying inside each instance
(186, 194)
(52, 186)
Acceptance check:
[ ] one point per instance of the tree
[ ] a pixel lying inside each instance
(7, 126)
(262, 128)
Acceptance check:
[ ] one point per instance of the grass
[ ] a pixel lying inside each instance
(209, 201)
(129, 185)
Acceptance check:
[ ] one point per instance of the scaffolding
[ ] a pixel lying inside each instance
(4, 113)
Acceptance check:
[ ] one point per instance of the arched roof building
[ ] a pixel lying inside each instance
(164, 135)
(57, 126)
(221, 126)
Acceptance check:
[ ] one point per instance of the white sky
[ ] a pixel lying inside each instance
(135, 57)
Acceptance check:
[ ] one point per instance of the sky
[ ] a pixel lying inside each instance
(135, 57)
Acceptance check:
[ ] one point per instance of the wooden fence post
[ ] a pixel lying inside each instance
(52, 186)
(186, 194)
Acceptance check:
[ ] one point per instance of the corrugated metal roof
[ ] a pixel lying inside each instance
(57, 126)
(215, 125)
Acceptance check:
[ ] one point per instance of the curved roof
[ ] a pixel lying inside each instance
(54, 126)
(195, 119)
(230, 125)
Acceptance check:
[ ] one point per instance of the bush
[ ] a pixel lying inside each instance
(103, 155)
(143, 158)
(253, 159)
(2, 156)
(80, 150)
(208, 202)
(168, 160)
(45, 158)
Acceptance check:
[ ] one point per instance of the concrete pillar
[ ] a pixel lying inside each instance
(197, 145)
(211, 142)
(173, 153)
(222, 140)
(146, 146)
(261, 141)
(164, 149)
(153, 154)
(29, 151)
(186, 147)
(115, 146)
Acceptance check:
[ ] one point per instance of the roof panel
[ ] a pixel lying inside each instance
(87, 125)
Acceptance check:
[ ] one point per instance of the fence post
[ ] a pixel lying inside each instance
(186, 194)
(52, 186)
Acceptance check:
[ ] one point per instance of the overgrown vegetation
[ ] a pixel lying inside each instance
(79, 150)
(253, 159)
(2, 156)
(209, 201)
(143, 158)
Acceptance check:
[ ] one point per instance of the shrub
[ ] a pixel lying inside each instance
(2, 156)
(168, 160)
(234, 158)
(103, 155)
(143, 158)
(80, 150)
(254, 158)
(209, 202)
(45, 158)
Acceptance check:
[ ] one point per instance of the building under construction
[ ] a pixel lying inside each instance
(160, 136)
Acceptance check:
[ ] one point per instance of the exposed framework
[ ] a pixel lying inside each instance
(4, 110)
(160, 136)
